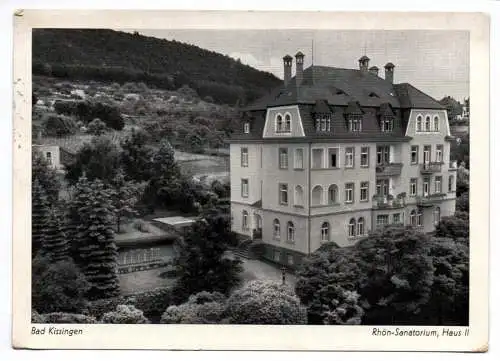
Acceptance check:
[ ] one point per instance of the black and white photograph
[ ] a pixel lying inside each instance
(315, 177)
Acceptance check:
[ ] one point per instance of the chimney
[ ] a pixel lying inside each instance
(363, 63)
(389, 72)
(287, 64)
(374, 70)
(299, 70)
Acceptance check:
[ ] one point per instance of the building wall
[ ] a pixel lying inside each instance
(297, 129)
(55, 158)
(253, 172)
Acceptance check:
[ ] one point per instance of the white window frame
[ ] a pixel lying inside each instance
(321, 195)
(288, 123)
(245, 187)
(276, 229)
(413, 218)
(439, 153)
(414, 150)
(387, 124)
(299, 199)
(246, 127)
(419, 123)
(384, 217)
(335, 189)
(337, 153)
(283, 158)
(325, 232)
(438, 184)
(351, 228)
(48, 157)
(394, 218)
(349, 192)
(427, 122)
(349, 157)
(244, 221)
(451, 180)
(278, 123)
(419, 218)
(360, 226)
(244, 157)
(436, 123)
(413, 186)
(367, 153)
(364, 186)
(437, 215)
(290, 232)
(283, 190)
(426, 186)
(322, 165)
(296, 158)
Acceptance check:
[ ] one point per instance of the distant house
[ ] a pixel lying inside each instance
(56, 156)
(175, 224)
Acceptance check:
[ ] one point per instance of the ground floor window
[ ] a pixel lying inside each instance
(325, 232)
(361, 226)
(382, 220)
(276, 256)
(245, 220)
(291, 232)
(351, 229)
(396, 218)
(276, 229)
(290, 260)
(437, 215)
(416, 218)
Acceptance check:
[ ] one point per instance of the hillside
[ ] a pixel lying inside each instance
(114, 56)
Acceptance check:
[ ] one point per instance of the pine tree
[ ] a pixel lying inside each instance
(95, 245)
(55, 246)
(125, 195)
(46, 177)
(39, 216)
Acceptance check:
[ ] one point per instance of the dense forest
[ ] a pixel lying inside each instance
(108, 55)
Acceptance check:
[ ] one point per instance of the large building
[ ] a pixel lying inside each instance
(334, 153)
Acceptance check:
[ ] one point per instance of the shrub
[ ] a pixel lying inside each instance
(36, 317)
(58, 125)
(202, 308)
(153, 303)
(125, 314)
(57, 287)
(264, 302)
(96, 127)
(453, 227)
(62, 317)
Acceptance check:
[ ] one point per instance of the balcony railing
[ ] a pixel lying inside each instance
(430, 200)
(430, 168)
(389, 169)
(387, 202)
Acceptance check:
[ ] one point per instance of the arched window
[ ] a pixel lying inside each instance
(325, 232)
(279, 123)
(436, 123)
(317, 196)
(419, 123)
(299, 196)
(427, 123)
(332, 194)
(361, 226)
(244, 220)
(276, 229)
(413, 218)
(288, 123)
(290, 234)
(419, 218)
(437, 215)
(352, 228)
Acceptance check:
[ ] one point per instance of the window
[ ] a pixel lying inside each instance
(426, 186)
(414, 154)
(299, 196)
(382, 187)
(244, 188)
(277, 256)
(427, 123)
(244, 157)
(396, 218)
(244, 220)
(365, 156)
(363, 192)
(298, 161)
(290, 234)
(276, 229)
(382, 220)
(419, 218)
(317, 155)
(438, 184)
(419, 123)
(451, 180)
(361, 226)
(258, 221)
(436, 123)
(413, 218)
(349, 192)
(427, 154)
(413, 186)
(351, 229)
(323, 124)
(439, 153)
(246, 127)
(333, 160)
(437, 215)
(283, 158)
(349, 157)
(290, 260)
(283, 194)
(288, 123)
(48, 157)
(279, 123)
(317, 196)
(383, 153)
(355, 125)
(332, 194)
(386, 124)
(325, 232)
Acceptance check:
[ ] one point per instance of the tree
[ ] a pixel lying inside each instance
(397, 274)
(125, 195)
(201, 261)
(453, 107)
(453, 227)
(94, 242)
(327, 284)
(265, 303)
(39, 216)
(46, 177)
(136, 155)
(99, 159)
(462, 179)
(96, 127)
(58, 125)
(201, 308)
(57, 286)
(55, 246)
(462, 204)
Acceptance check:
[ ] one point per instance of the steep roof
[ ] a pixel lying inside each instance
(411, 97)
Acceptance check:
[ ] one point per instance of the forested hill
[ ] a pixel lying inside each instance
(108, 55)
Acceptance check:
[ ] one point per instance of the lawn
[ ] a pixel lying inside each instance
(143, 281)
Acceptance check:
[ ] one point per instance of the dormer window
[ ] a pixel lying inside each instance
(246, 127)
(279, 123)
(288, 123)
(355, 124)
(354, 116)
(283, 125)
(323, 124)
(387, 124)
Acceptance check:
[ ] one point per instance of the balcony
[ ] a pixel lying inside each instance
(389, 169)
(388, 202)
(430, 200)
(430, 168)
(453, 165)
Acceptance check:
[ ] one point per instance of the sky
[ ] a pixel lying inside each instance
(436, 62)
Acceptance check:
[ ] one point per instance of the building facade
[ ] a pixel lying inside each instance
(334, 153)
